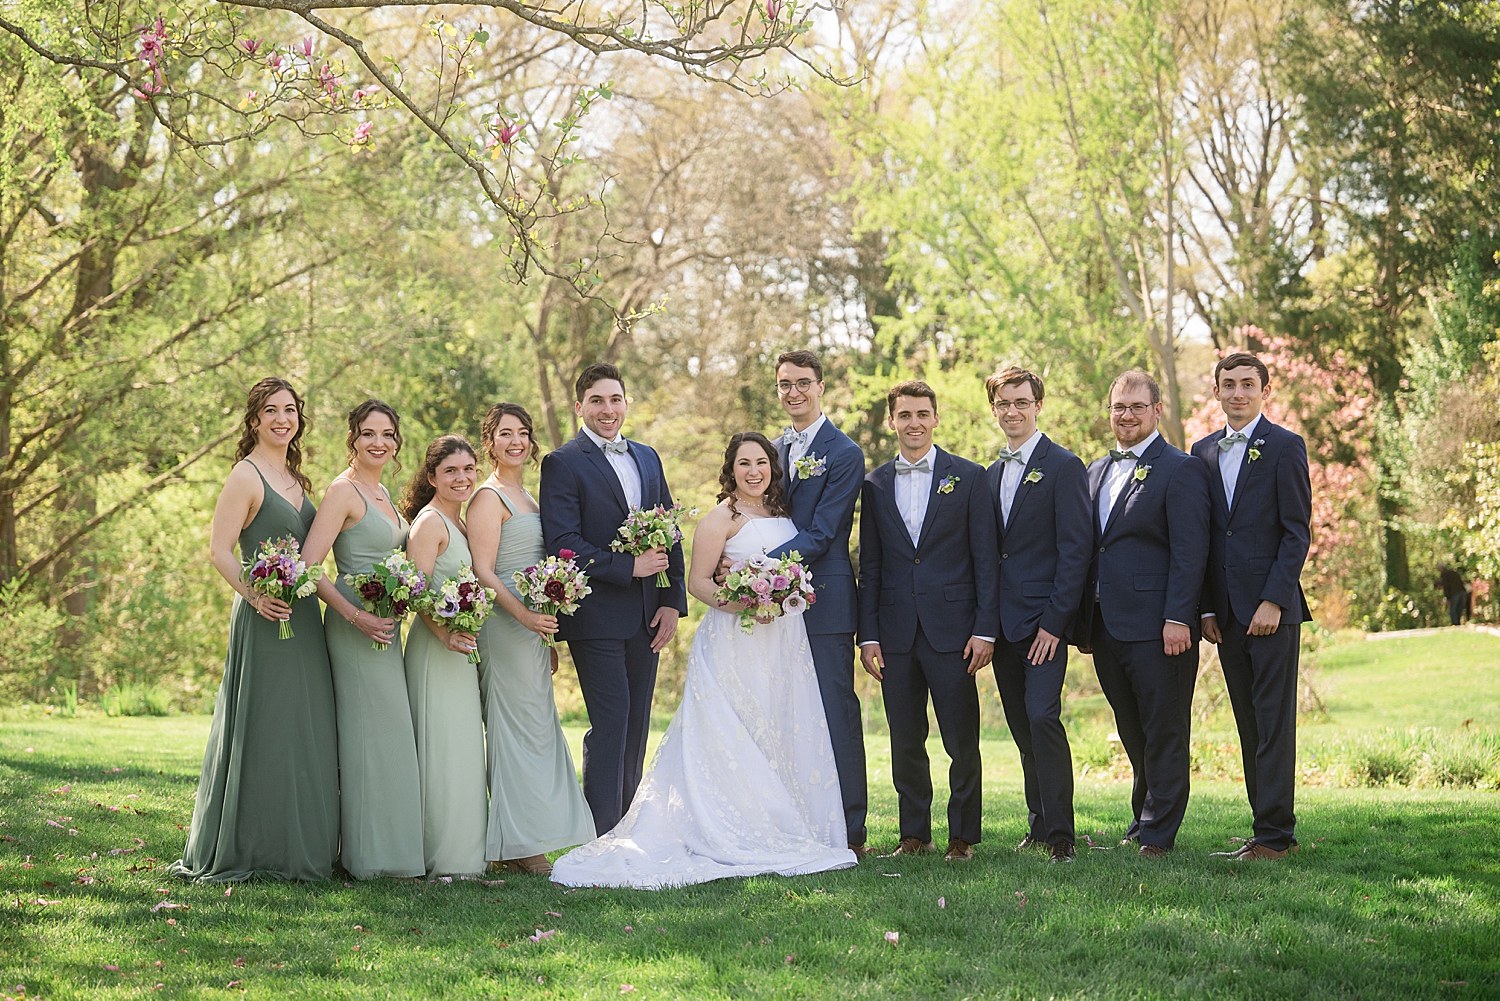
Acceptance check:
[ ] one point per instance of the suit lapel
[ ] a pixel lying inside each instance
(890, 508)
(1256, 434)
(1023, 489)
(1211, 447)
(650, 494)
(784, 453)
(1098, 473)
(1133, 485)
(940, 465)
(601, 463)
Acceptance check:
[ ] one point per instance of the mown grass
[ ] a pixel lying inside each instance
(1395, 895)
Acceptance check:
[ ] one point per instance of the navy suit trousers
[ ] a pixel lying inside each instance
(617, 678)
(908, 678)
(1261, 675)
(1152, 696)
(1032, 697)
(833, 659)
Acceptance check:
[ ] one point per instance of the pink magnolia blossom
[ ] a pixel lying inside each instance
(307, 47)
(364, 92)
(251, 46)
(773, 9)
(328, 80)
(508, 133)
(275, 61)
(362, 132)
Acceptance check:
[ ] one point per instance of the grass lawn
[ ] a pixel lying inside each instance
(1396, 893)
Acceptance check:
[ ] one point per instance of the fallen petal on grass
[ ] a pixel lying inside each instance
(893, 937)
(942, 903)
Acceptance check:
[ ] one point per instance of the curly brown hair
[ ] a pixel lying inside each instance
(774, 496)
(259, 394)
(420, 491)
(491, 424)
(357, 418)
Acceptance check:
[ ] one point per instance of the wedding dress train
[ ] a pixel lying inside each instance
(744, 782)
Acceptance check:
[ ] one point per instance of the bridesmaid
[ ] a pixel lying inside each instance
(536, 805)
(441, 683)
(381, 802)
(267, 802)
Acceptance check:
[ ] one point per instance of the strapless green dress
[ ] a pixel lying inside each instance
(444, 691)
(380, 801)
(267, 802)
(536, 804)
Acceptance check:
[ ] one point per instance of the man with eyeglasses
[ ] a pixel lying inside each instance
(1139, 614)
(822, 471)
(1042, 517)
(1253, 606)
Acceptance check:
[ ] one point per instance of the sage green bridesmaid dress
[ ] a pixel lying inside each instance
(536, 804)
(268, 795)
(444, 691)
(381, 794)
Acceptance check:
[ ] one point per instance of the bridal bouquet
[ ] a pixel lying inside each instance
(460, 603)
(278, 570)
(554, 586)
(654, 528)
(768, 587)
(389, 589)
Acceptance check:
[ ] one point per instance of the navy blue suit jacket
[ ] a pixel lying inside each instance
(949, 582)
(823, 510)
(1257, 548)
(583, 507)
(1149, 561)
(1046, 549)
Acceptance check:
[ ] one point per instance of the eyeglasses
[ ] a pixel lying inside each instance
(1019, 406)
(801, 385)
(1135, 409)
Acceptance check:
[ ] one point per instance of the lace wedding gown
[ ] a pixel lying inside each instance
(744, 781)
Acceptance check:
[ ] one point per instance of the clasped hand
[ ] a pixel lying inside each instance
(650, 563)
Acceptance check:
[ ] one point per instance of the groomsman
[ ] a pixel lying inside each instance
(588, 487)
(1046, 537)
(821, 472)
(928, 578)
(1140, 609)
(1253, 606)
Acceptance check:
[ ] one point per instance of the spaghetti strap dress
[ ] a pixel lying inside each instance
(268, 795)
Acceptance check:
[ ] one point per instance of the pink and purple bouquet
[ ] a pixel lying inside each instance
(554, 586)
(651, 528)
(460, 603)
(768, 587)
(389, 589)
(278, 570)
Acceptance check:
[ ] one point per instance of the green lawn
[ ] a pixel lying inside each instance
(1395, 894)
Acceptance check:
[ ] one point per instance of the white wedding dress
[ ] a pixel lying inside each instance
(744, 781)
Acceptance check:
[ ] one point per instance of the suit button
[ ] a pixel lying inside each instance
(1228, 533)
(916, 561)
(1005, 556)
(1101, 549)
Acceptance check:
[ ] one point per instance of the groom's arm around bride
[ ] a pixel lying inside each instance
(588, 487)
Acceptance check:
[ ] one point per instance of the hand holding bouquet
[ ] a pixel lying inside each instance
(767, 588)
(651, 528)
(278, 571)
(554, 586)
(389, 589)
(461, 604)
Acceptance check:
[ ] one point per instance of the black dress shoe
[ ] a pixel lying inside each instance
(1154, 851)
(1061, 851)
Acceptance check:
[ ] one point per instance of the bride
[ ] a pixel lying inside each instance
(744, 781)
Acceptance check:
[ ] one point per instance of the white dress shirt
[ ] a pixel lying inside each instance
(1118, 475)
(1231, 460)
(624, 467)
(913, 491)
(798, 449)
(1010, 475)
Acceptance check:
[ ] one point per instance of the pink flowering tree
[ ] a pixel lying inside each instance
(1331, 403)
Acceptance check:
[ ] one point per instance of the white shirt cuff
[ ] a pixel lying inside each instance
(987, 639)
(1209, 615)
(1176, 623)
(870, 643)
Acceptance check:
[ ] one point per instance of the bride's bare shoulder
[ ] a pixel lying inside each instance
(721, 520)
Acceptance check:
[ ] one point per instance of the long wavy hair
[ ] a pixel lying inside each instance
(420, 491)
(491, 424)
(774, 496)
(357, 418)
(259, 394)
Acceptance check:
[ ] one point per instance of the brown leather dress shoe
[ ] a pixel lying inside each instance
(534, 865)
(1154, 851)
(1061, 851)
(861, 852)
(914, 846)
(1030, 842)
(1254, 852)
(959, 850)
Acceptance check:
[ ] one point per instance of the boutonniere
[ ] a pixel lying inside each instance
(1141, 472)
(945, 485)
(810, 465)
(1254, 452)
(1035, 476)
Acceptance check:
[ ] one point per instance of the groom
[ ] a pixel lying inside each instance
(929, 582)
(821, 472)
(588, 487)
